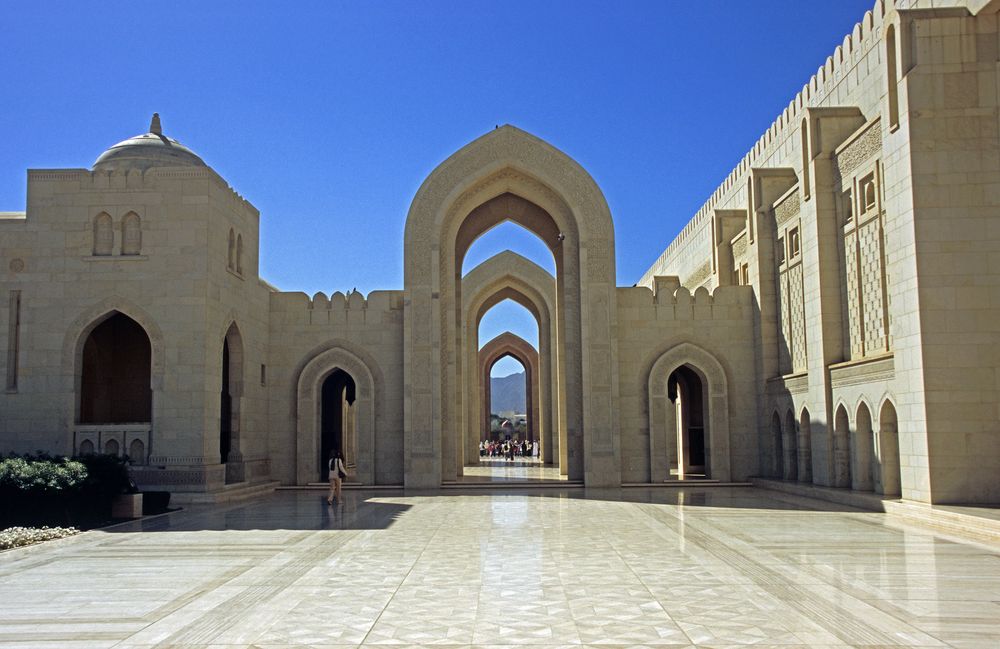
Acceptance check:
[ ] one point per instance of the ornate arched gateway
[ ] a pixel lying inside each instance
(512, 345)
(508, 275)
(510, 175)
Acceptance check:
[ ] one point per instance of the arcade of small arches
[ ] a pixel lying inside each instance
(865, 451)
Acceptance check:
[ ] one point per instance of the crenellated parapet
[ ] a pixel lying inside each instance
(672, 300)
(338, 309)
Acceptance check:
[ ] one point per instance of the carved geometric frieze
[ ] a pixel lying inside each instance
(787, 208)
(862, 148)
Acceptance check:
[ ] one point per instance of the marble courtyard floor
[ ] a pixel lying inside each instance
(712, 567)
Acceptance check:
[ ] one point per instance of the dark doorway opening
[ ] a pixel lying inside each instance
(226, 410)
(336, 419)
(115, 377)
(685, 389)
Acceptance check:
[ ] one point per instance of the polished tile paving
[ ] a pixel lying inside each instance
(516, 470)
(711, 567)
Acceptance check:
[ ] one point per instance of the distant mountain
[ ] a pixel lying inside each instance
(507, 393)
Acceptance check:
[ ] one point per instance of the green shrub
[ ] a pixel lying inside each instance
(41, 489)
(43, 476)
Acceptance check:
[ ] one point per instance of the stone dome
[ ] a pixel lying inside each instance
(152, 149)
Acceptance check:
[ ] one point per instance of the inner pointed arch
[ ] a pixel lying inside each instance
(513, 208)
(506, 364)
(509, 239)
(509, 313)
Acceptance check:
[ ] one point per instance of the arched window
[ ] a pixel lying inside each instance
(891, 77)
(231, 264)
(239, 254)
(104, 235)
(131, 234)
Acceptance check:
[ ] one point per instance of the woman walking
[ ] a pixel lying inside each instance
(337, 474)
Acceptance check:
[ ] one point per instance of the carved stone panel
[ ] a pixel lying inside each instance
(871, 287)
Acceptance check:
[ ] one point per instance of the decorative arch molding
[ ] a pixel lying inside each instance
(510, 175)
(311, 373)
(715, 384)
(86, 321)
(509, 344)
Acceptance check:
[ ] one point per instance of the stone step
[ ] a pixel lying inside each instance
(228, 494)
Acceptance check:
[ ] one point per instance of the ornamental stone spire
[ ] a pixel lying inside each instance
(154, 125)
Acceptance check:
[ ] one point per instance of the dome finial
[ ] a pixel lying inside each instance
(154, 125)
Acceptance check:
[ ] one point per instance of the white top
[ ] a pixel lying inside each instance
(333, 470)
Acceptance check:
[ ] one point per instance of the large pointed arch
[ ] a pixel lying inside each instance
(509, 174)
(716, 386)
(509, 344)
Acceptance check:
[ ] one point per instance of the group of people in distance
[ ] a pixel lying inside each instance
(508, 449)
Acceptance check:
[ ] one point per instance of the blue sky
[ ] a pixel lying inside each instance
(327, 116)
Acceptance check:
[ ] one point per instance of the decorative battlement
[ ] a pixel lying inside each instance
(338, 306)
(667, 291)
(865, 36)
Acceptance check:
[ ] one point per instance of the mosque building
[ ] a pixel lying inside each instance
(830, 316)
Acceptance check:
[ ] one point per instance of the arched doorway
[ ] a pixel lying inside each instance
(115, 385)
(841, 449)
(687, 391)
(861, 468)
(230, 405)
(338, 420)
(777, 448)
(805, 447)
(509, 344)
(508, 175)
(888, 450)
(339, 393)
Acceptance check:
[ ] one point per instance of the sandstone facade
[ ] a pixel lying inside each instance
(829, 316)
